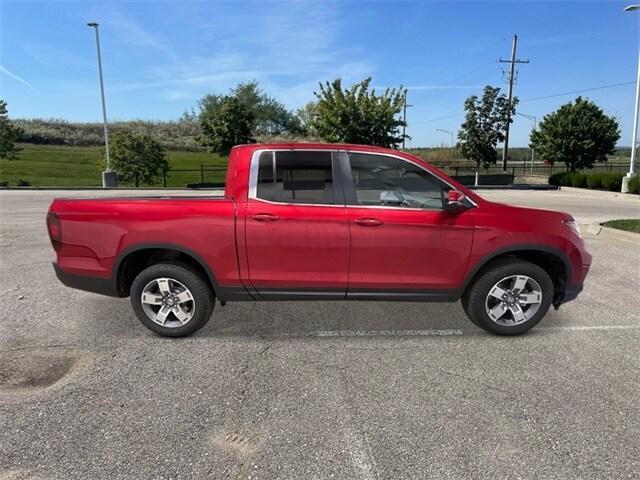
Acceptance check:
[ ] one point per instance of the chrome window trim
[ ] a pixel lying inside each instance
(271, 202)
(348, 151)
(255, 166)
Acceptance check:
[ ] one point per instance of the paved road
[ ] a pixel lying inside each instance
(317, 390)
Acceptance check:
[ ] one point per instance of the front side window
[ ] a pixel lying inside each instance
(296, 177)
(386, 181)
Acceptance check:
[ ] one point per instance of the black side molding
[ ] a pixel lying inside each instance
(403, 295)
(295, 294)
(103, 286)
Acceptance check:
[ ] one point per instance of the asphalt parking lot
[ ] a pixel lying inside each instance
(358, 390)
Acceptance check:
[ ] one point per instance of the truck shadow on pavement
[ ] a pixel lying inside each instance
(334, 319)
(300, 319)
(312, 319)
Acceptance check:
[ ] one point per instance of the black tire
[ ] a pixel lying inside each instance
(475, 298)
(200, 307)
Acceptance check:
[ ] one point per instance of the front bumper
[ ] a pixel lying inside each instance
(103, 286)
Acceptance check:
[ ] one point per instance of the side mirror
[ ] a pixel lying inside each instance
(455, 202)
(389, 197)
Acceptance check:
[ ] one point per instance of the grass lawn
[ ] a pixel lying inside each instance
(60, 166)
(628, 225)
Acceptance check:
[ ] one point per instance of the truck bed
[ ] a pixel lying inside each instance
(99, 232)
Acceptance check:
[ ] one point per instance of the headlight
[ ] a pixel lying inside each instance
(573, 225)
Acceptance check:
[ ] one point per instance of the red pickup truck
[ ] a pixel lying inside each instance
(321, 222)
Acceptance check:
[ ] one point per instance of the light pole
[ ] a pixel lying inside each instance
(108, 177)
(450, 133)
(534, 119)
(625, 180)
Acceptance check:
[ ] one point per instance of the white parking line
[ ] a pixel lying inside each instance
(387, 333)
(427, 333)
(593, 327)
(371, 333)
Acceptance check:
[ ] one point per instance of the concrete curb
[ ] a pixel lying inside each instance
(599, 192)
(613, 233)
(515, 186)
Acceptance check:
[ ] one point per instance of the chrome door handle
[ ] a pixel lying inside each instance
(265, 217)
(368, 221)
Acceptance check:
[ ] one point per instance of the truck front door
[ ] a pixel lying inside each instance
(403, 244)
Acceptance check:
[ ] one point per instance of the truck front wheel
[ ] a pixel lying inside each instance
(171, 299)
(509, 297)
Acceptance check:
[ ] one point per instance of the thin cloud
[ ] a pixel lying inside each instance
(18, 78)
(298, 47)
(50, 56)
(132, 33)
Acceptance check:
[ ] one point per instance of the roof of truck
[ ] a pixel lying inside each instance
(318, 146)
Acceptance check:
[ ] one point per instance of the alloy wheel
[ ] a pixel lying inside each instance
(513, 300)
(167, 302)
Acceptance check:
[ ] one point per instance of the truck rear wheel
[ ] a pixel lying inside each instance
(510, 297)
(171, 299)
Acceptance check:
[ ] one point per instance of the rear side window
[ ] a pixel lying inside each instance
(296, 177)
(380, 180)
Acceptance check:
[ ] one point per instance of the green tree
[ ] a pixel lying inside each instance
(137, 159)
(9, 134)
(224, 122)
(358, 115)
(304, 118)
(484, 125)
(269, 115)
(578, 133)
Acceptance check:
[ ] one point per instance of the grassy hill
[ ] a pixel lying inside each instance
(63, 165)
(176, 135)
(58, 166)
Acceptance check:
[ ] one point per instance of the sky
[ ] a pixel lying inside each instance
(160, 57)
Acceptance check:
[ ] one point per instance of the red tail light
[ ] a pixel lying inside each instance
(55, 230)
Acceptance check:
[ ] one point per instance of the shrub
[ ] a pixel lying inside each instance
(556, 179)
(4, 183)
(23, 183)
(594, 180)
(578, 180)
(612, 181)
(137, 158)
(634, 184)
(562, 179)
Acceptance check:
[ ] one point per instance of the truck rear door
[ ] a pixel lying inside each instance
(296, 227)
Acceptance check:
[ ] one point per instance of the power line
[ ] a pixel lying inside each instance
(602, 87)
(437, 119)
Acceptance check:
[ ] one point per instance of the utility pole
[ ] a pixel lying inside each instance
(404, 118)
(512, 62)
(450, 132)
(534, 119)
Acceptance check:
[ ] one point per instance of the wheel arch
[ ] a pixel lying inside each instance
(552, 260)
(133, 259)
